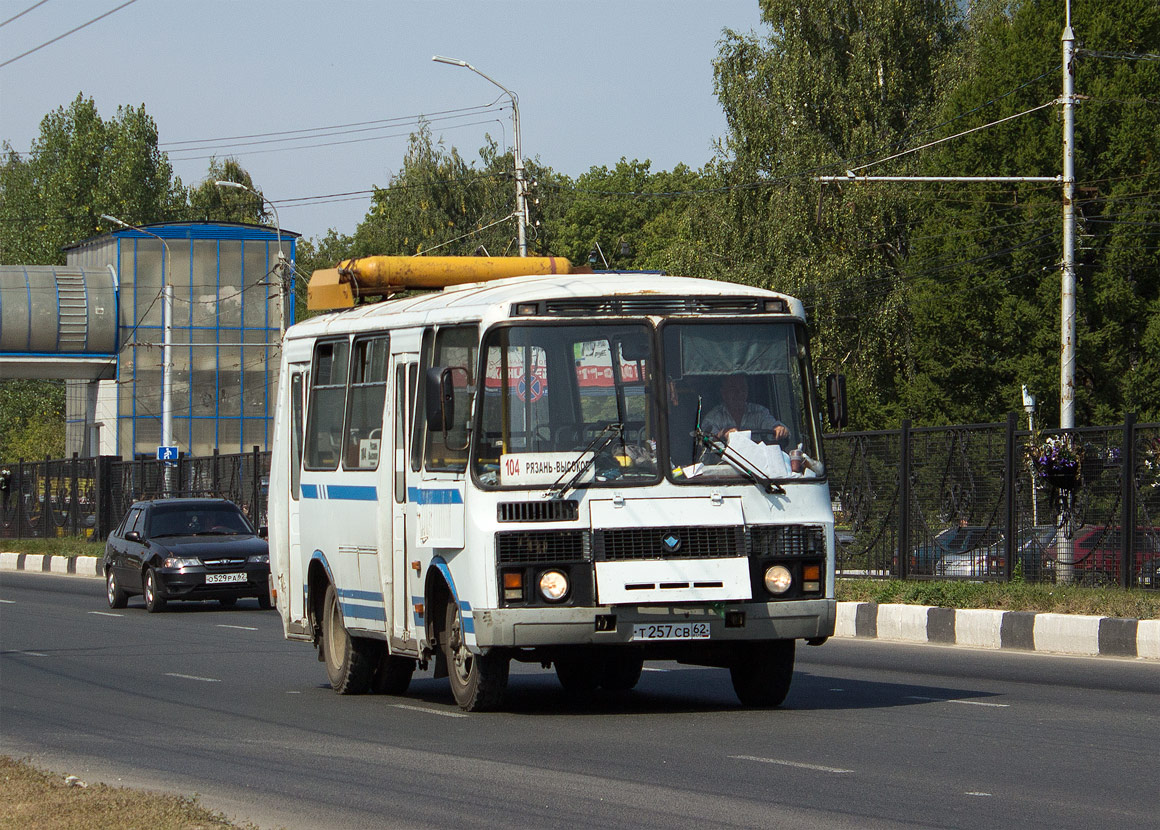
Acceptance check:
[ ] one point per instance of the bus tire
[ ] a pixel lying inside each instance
(350, 661)
(762, 672)
(578, 671)
(117, 597)
(620, 669)
(154, 602)
(393, 675)
(478, 681)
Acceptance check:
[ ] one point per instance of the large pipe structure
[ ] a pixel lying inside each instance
(376, 276)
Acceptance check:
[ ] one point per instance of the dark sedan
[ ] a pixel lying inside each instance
(186, 549)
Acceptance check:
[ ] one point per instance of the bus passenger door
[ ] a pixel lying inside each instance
(292, 584)
(404, 377)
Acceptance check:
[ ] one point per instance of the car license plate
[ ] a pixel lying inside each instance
(214, 579)
(671, 631)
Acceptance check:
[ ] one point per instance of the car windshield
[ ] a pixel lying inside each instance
(567, 405)
(193, 521)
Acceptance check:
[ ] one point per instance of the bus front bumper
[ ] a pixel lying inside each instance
(810, 619)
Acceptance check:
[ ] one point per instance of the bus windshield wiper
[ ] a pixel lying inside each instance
(596, 446)
(739, 462)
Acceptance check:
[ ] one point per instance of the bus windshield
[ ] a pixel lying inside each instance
(747, 377)
(567, 405)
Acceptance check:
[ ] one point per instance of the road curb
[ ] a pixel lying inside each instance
(1077, 634)
(88, 566)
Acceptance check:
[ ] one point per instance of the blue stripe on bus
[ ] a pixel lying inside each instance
(368, 596)
(364, 612)
(340, 492)
(422, 495)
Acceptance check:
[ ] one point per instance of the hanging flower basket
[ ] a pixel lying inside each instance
(1058, 463)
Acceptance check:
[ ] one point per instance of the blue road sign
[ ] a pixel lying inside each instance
(167, 453)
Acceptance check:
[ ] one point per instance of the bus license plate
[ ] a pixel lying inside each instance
(671, 631)
(214, 579)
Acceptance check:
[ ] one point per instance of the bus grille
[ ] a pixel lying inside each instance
(534, 546)
(555, 510)
(786, 540)
(629, 543)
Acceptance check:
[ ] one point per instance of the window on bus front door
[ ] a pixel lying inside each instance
(327, 405)
(456, 350)
(365, 401)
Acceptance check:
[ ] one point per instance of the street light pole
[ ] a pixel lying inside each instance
(521, 182)
(166, 342)
(282, 266)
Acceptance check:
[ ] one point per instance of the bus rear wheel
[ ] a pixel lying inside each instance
(350, 661)
(762, 673)
(478, 681)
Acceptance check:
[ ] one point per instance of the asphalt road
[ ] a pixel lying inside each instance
(208, 701)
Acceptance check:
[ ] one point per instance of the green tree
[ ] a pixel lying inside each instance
(79, 167)
(831, 86)
(210, 203)
(984, 269)
(31, 419)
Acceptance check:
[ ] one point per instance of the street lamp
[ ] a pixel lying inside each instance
(166, 341)
(281, 266)
(521, 184)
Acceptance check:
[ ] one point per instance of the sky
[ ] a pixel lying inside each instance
(597, 80)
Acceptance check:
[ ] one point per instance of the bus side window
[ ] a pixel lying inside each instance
(457, 349)
(399, 464)
(296, 428)
(365, 402)
(327, 405)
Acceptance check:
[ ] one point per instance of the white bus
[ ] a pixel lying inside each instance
(521, 469)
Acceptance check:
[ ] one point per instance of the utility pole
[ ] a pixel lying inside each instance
(1067, 276)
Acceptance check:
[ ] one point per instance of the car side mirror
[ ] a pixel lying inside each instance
(263, 532)
(132, 536)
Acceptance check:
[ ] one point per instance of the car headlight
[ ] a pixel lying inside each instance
(553, 585)
(777, 579)
(260, 559)
(181, 562)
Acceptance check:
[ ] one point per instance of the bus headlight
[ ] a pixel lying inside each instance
(553, 585)
(777, 579)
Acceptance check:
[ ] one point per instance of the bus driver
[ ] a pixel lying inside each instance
(736, 413)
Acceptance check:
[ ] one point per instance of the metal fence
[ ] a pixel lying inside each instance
(87, 496)
(968, 502)
(959, 502)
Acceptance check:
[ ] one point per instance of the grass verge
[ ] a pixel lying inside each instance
(65, 546)
(32, 797)
(1005, 596)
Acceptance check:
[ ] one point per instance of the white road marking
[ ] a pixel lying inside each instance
(192, 677)
(239, 627)
(650, 668)
(965, 702)
(430, 711)
(981, 795)
(8, 601)
(105, 614)
(33, 654)
(796, 764)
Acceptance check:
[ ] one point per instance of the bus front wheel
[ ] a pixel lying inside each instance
(762, 673)
(350, 661)
(478, 681)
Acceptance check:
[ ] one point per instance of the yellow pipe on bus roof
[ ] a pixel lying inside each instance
(341, 286)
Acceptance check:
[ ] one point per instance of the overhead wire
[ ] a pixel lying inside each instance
(66, 34)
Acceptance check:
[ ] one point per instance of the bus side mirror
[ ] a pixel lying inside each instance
(836, 409)
(440, 399)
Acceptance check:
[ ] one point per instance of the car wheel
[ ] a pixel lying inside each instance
(762, 673)
(394, 674)
(154, 602)
(350, 661)
(228, 602)
(478, 681)
(117, 597)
